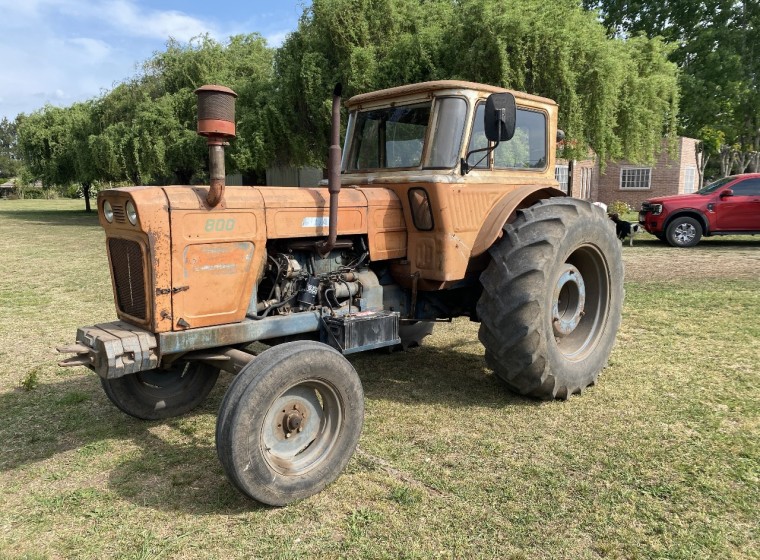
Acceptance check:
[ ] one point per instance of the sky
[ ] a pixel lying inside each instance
(63, 51)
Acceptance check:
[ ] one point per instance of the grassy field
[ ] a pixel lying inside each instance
(660, 460)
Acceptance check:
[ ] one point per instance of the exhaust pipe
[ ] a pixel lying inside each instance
(333, 174)
(216, 121)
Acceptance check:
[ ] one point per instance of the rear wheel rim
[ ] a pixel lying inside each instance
(580, 303)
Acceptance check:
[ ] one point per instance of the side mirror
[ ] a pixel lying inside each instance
(727, 193)
(500, 117)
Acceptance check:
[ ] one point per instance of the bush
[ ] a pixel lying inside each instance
(619, 207)
(28, 193)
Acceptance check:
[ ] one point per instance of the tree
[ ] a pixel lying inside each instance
(9, 162)
(711, 143)
(617, 97)
(717, 48)
(143, 131)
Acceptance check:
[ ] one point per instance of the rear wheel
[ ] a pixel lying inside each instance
(552, 299)
(162, 393)
(290, 422)
(684, 231)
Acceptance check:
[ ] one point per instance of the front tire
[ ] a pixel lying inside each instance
(290, 422)
(684, 231)
(552, 299)
(157, 394)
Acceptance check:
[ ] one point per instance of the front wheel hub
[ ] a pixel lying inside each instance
(569, 301)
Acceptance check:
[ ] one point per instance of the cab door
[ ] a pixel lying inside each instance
(740, 211)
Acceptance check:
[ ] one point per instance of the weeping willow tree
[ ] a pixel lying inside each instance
(617, 97)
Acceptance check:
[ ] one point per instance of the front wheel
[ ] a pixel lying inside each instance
(157, 394)
(290, 422)
(684, 232)
(552, 299)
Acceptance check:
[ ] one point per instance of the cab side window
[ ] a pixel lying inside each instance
(526, 149)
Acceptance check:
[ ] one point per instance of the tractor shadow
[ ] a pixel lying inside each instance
(165, 465)
(171, 465)
(455, 375)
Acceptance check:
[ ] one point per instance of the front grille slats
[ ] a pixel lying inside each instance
(118, 213)
(127, 269)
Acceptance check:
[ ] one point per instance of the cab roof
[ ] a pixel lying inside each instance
(430, 87)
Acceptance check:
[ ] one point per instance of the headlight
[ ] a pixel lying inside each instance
(656, 209)
(131, 213)
(108, 211)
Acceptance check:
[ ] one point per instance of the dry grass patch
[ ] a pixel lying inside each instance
(661, 459)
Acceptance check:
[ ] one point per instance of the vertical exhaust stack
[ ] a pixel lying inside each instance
(216, 121)
(333, 174)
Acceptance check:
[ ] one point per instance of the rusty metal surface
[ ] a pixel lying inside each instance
(217, 173)
(228, 359)
(216, 111)
(521, 197)
(333, 173)
(238, 333)
(217, 255)
(152, 233)
(437, 86)
(113, 350)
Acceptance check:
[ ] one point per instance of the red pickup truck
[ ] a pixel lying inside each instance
(729, 206)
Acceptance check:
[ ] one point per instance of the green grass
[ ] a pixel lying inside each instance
(660, 460)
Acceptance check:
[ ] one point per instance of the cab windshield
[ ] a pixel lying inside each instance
(712, 187)
(395, 137)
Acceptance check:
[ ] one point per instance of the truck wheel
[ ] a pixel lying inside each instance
(290, 422)
(684, 232)
(162, 393)
(552, 298)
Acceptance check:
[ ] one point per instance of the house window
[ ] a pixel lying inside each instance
(635, 178)
(560, 173)
(689, 179)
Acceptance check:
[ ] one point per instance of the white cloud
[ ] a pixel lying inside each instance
(95, 49)
(277, 38)
(61, 51)
(128, 17)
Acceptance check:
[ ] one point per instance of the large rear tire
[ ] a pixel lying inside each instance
(290, 422)
(552, 299)
(157, 394)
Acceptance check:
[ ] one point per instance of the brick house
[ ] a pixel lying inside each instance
(672, 173)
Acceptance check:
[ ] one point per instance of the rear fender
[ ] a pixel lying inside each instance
(504, 211)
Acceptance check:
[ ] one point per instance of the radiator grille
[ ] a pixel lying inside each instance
(127, 270)
(118, 212)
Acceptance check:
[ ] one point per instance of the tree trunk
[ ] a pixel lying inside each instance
(754, 162)
(727, 159)
(742, 160)
(702, 158)
(86, 193)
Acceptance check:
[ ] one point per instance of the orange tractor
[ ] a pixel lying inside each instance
(443, 204)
